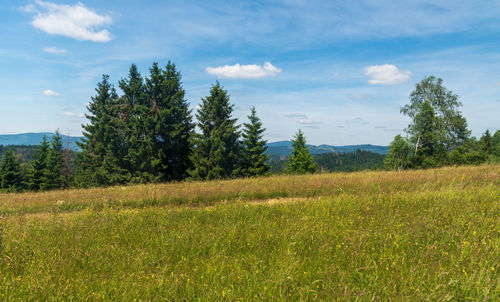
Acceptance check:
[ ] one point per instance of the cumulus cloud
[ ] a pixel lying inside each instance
(72, 114)
(49, 92)
(74, 21)
(54, 50)
(238, 71)
(386, 74)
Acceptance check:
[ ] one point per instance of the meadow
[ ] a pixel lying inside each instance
(425, 235)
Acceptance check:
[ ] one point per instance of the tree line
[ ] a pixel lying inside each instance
(147, 134)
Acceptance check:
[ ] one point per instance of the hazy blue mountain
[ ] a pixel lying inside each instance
(281, 148)
(284, 148)
(35, 139)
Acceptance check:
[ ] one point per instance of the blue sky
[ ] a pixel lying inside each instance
(339, 70)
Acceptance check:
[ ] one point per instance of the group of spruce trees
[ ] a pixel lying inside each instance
(147, 134)
(44, 172)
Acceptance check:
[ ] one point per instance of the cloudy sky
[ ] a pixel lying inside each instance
(339, 70)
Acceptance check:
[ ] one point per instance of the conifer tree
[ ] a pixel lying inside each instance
(169, 124)
(53, 173)
(135, 110)
(485, 142)
(254, 147)
(100, 137)
(38, 165)
(300, 162)
(217, 152)
(11, 179)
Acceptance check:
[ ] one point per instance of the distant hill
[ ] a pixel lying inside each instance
(284, 148)
(35, 139)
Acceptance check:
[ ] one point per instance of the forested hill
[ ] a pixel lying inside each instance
(31, 139)
(282, 148)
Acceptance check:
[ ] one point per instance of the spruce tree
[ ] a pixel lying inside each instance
(53, 173)
(38, 166)
(11, 179)
(100, 139)
(300, 162)
(135, 110)
(254, 147)
(169, 124)
(217, 152)
(485, 142)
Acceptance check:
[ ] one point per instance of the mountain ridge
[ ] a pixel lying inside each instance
(281, 148)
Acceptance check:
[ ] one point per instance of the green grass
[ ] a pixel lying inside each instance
(356, 237)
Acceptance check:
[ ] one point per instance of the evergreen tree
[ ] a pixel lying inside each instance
(53, 173)
(11, 179)
(254, 147)
(399, 154)
(217, 151)
(101, 138)
(135, 110)
(485, 142)
(169, 123)
(37, 166)
(300, 161)
(445, 104)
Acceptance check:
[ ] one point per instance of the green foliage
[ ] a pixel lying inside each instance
(399, 154)
(169, 122)
(53, 173)
(38, 166)
(349, 162)
(486, 143)
(430, 150)
(449, 120)
(254, 155)
(11, 178)
(300, 161)
(217, 153)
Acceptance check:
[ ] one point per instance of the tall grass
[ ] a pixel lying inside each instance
(417, 236)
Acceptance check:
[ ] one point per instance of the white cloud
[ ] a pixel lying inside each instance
(306, 121)
(238, 71)
(302, 115)
(49, 92)
(386, 74)
(72, 114)
(74, 21)
(54, 50)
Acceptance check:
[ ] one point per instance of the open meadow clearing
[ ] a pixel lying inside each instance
(414, 235)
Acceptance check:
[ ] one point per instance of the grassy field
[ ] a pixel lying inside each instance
(429, 235)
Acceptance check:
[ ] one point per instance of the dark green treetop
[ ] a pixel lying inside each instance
(38, 165)
(254, 147)
(11, 179)
(217, 152)
(300, 162)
